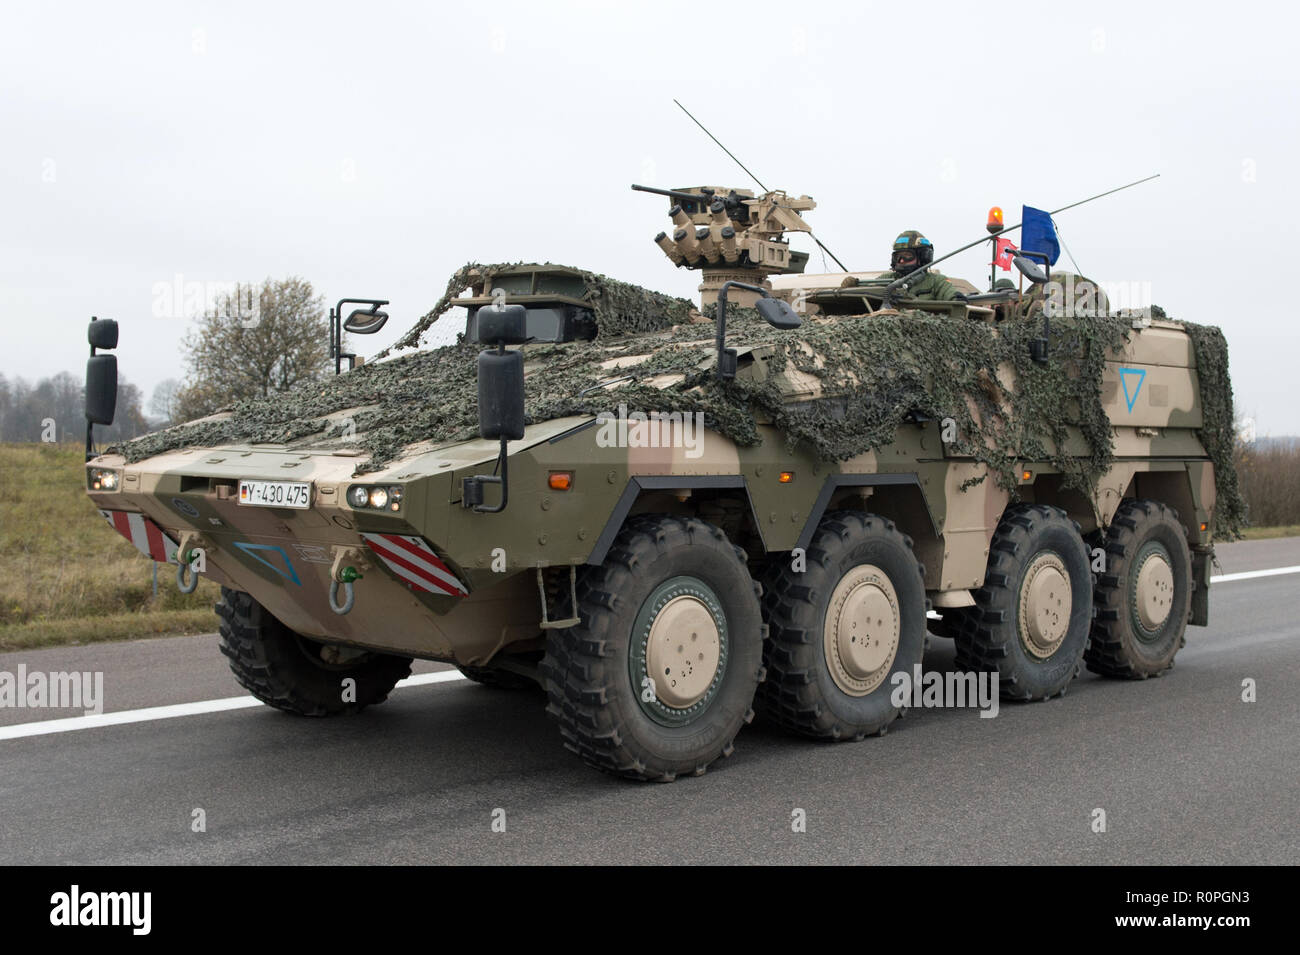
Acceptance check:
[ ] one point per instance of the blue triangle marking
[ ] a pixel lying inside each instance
(250, 548)
(1124, 374)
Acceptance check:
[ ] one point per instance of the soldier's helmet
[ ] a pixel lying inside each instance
(911, 251)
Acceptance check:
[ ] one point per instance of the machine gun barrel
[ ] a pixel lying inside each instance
(733, 203)
(701, 197)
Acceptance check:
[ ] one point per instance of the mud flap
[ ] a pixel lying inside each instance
(1201, 561)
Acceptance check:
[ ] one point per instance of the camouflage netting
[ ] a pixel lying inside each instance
(875, 370)
(1218, 433)
(620, 308)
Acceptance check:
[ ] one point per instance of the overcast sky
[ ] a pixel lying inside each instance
(373, 148)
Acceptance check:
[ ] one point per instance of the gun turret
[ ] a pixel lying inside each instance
(732, 234)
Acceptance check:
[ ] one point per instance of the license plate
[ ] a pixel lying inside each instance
(275, 494)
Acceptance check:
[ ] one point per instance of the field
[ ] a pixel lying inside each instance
(65, 575)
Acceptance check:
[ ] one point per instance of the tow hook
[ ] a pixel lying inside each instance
(342, 575)
(190, 556)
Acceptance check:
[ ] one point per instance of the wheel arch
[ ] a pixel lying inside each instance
(1171, 488)
(645, 492)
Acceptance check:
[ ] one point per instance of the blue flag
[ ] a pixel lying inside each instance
(1038, 234)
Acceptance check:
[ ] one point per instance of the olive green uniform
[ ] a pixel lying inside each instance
(932, 285)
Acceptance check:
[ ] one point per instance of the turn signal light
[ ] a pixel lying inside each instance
(785, 477)
(1026, 475)
(560, 480)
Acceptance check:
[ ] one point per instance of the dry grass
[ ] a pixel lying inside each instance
(1268, 533)
(124, 626)
(65, 575)
(1270, 481)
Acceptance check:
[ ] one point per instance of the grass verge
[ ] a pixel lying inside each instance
(123, 626)
(1269, 533)
(65, 575)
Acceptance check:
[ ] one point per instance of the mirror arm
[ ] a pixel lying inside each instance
(90, 425)
(472, 488)
(726, 358)
(1038, 348)
(336, 328)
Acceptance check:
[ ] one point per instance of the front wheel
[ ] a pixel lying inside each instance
(659, 676)
(291, 672)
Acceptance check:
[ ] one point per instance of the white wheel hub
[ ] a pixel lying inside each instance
(1045, 604)
(683, 651)
(862, 629)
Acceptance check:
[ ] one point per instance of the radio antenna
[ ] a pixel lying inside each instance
(722, 147)
(759, 182)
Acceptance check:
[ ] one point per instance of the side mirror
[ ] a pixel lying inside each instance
(365, 321)
(101, 386)
(361, 321)
(778, 313)
(501, 395)
(102, 333)
(500, 416)
(507, 325)
(1029, 270)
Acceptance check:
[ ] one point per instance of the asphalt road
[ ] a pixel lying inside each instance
(1185, 770)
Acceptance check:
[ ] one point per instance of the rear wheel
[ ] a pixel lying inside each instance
(291, 672)
(659, 676)
(841, 627)
(1031, 617)
(1143, 595)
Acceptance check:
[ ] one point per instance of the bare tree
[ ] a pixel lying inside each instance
(164, 401)
(54, 409)
(235, 354)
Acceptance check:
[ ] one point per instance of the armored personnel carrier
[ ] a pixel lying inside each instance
(670, 514)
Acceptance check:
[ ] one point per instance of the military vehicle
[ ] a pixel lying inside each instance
(670, 515)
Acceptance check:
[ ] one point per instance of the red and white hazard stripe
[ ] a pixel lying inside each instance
(147, 536)
(415, 562)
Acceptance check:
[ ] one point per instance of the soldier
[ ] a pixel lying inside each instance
(912, 250)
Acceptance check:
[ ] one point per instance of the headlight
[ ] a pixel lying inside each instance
(380, 498)
(102, 479)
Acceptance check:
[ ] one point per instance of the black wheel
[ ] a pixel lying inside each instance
(1143, 595)
(1031, 617)
(497, 678)
(840, 628)
(659, 676)
(293, 673)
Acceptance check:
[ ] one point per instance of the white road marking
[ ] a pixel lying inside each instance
(46, 727)
(71, 724)
(1247, 575)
